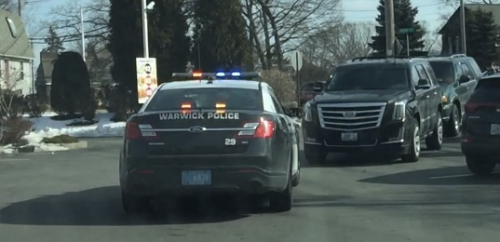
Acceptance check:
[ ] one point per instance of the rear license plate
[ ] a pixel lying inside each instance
(495, 129)
(196, 178)
(349, 136)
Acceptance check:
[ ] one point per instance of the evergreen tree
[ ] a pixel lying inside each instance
(404, 17)
(125, 42)
(168, 39)
(53, 41)
(482, 37)
(219, 38)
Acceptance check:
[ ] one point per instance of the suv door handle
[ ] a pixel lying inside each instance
(427, 96)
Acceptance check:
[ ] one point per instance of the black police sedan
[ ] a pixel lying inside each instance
(210, 136)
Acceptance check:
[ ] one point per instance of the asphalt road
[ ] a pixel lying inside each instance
(74, 196)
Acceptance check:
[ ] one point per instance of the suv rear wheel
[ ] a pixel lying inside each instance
(435, 141)
(480, 166)
(453, 125)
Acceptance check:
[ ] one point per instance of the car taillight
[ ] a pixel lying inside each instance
(264, 130)
(472, 107)
(132, 131)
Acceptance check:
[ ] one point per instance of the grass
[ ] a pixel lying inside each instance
(60, 139)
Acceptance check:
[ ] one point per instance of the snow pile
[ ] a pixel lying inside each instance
(46, 127)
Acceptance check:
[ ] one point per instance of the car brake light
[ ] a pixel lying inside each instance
(132, 131)
(186, 105)
(471, 107)
(264, 130)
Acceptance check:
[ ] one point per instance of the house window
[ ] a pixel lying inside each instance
(12, 27)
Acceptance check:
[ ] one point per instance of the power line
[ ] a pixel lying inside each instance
(375, 10)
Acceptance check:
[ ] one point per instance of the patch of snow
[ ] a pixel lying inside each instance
(45, 127)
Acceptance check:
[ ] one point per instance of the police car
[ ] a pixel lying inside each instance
(213, 134)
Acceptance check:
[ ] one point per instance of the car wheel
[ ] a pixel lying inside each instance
(480, 166)
(414, 150)
(296, 179)
(453, 126)
(282, 201)
(133, 203)
(435, 141)
(315, 156)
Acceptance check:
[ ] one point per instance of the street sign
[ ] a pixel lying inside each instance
(146, 78)
(296, 60)
(406, 30)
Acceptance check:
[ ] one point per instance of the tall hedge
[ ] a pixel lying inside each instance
(70, 91)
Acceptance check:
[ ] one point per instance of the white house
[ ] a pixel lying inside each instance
(16, 55)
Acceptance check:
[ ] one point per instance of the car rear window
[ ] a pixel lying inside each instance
(206, 98)
(444, 71)
(487, 90)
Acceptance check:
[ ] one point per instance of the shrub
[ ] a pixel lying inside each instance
(12, 105)
(70, 87)
(89, 110)
(283, 85)
(34, 106)
(60, 139)
(14, 130)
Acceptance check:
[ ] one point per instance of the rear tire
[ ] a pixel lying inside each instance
(414, 150)
(315, 156)
(453, 125)
(480, 166)
(135, 204)
(435, 141)
(282, 201)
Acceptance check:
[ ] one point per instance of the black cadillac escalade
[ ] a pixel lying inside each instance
(375, 105)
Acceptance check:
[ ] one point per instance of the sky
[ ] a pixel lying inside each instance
(430, 13)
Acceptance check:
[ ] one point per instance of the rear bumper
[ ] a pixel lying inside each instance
(480, 146)
(156, 177)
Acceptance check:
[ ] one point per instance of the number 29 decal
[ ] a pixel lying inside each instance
(229, 141)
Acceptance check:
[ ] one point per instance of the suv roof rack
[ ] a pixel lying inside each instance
(401, 57)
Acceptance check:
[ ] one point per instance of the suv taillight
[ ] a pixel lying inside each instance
(132, 131)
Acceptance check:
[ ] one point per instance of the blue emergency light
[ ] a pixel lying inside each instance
(218, 75)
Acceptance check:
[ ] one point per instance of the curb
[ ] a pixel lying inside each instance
(78, 145)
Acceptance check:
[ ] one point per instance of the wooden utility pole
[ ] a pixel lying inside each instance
(390, 29)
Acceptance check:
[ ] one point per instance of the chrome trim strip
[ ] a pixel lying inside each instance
(207, 129)
(378, 107)
(312, 143)
(370, 145)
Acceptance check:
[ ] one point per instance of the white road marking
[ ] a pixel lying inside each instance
(452, 176)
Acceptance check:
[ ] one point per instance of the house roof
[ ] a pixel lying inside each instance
(493, 8)
(15, 45)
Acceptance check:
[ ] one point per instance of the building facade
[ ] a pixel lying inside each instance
(16, 55)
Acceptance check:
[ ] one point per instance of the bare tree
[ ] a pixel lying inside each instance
(277, 26)
(8, 87)
(332, 46)
(9, 5)
(66, 20)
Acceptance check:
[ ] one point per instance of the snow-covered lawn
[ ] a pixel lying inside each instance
(46, 127)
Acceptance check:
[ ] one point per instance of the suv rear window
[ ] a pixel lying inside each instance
(444, 71)
(369, 77)
(487, 90)
(206, 98)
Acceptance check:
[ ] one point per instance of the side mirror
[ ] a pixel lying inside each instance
(463, 79)
(423, 84)
(293, 112)
(318, 87)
